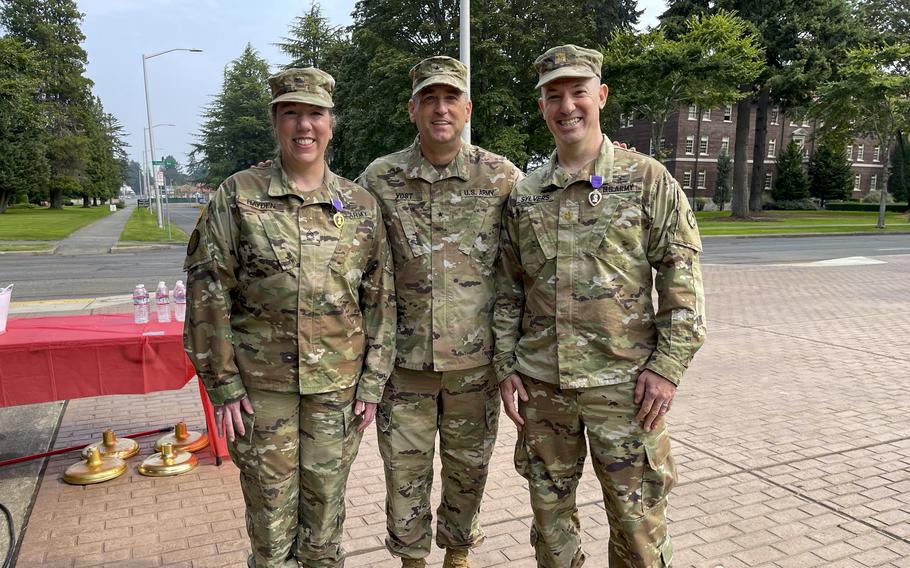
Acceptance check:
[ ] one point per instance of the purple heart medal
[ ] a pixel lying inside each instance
(596, 194)
(338, 218)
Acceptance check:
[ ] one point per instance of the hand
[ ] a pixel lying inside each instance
(623, 145)
(508, 389)
(228, 418)
(655, 395)
(262, 164)
(366, 411)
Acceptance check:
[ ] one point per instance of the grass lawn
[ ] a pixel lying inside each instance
(47, 224)
(791, 222)
(143, 227)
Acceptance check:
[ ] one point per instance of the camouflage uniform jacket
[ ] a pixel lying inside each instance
(282, 299)
(575, 306)
(444, 226)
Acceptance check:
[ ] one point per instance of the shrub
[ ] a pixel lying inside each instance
(24, 206)
(875, 197)
(792, 205)
(700, 203)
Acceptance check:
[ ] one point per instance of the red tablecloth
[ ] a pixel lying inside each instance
(59, 358)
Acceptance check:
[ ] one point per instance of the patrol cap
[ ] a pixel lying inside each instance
(439, 70)
(567, 61)
(309, 85)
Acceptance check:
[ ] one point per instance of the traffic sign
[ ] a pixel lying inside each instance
(158, 162)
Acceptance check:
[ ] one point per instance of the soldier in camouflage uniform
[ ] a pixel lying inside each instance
(441, 201)
(290, 324)
(578, 340)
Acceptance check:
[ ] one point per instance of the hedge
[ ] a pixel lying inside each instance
(893, 208)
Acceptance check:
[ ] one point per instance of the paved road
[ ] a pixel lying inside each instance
(90, 276)
(772, 250)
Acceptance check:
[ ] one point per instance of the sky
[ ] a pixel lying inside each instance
(181, 84)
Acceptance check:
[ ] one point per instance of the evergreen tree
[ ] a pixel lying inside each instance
(104, 170)
(23, 162)
(237, 130)
(133, 175)
(830, 174)
(51, 29)
(792, 182)
(899, 179)
(314, 42)
(722, 185)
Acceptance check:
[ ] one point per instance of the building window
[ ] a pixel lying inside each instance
(801, 144)
(768, 181)
(775, 115)
(703, 146)
(706, 115)
(690, 144)
(805, 120)
(877, 153)
(793, 121)
(693, 112)
(622, 120)
(857, 179)
(850, 152)
(701, 179)
(772, 148)
(725, 145)
(687, 179)
(728, 113)
(625, 120)
(873, 182)
(859, 152)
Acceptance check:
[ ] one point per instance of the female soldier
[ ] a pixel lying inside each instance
(291, 327)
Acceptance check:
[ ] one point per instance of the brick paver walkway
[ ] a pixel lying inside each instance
(789, 431)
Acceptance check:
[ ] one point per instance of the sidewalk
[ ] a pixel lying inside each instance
(100, 236)
(789, 433)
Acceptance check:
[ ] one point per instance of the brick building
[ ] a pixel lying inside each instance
(718, 133)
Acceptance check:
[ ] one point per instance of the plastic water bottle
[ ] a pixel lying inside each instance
(140, 304)
(163, 302)
(179, 301)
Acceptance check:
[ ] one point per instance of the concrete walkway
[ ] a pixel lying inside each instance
(789, 433)
(100, 236)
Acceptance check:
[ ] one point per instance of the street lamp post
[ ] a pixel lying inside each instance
(464, 53)
(148, 112)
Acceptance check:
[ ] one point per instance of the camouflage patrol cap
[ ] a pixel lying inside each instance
(310, 85)
(567, 61)
(439, 70)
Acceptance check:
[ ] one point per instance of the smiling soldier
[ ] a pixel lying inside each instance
(578, 339)
(441, 201)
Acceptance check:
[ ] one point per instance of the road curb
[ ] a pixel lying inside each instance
(118, 248)
(800, 235)
(44, 252)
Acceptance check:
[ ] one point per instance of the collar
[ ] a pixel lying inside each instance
(419, 167)
(280, 186)
(555, 177)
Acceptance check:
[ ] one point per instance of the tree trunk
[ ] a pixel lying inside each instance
(4, 200)
(903, 153)
(757, 185)
(56, 198)
(885, 141)
(739, 206)
(94, 202)
(85, 202)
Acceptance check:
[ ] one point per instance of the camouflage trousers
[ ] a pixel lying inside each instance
(294, 462)
(634, 467)
(463, 406)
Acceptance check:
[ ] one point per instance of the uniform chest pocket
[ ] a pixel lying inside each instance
(269, 242)
(480, 230)
(537, 236)
(410, 229)
(616, 235)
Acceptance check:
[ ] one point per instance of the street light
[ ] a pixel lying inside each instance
(148, 111)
